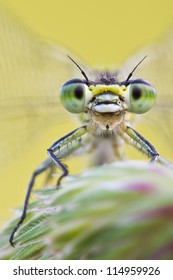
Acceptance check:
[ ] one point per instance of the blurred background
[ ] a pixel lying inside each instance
(100, 34)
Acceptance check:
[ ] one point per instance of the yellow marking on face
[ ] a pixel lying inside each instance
(116, 89)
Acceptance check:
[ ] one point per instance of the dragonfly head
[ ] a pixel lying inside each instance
(107, 101)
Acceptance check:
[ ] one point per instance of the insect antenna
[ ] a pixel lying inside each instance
(82, 72)
(131, 73)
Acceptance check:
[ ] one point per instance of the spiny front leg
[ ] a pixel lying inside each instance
(40, 169)
(65, 150)
(140, 142)
(72, 138)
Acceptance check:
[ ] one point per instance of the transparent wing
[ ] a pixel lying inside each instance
(31, 73)
(157, 124)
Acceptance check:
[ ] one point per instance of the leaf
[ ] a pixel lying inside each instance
(117, 211)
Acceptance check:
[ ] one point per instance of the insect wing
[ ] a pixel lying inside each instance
(31, 73)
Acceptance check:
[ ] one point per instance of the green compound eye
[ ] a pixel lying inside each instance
(74, 95)
(140, 97)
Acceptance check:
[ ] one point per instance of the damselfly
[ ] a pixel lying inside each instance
(103, 101)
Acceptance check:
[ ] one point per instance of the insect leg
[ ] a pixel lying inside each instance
(63, 143)
(60, 144)
(141, 143)
(41, 168)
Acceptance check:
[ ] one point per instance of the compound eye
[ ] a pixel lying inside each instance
(74, 95)
(140, 97)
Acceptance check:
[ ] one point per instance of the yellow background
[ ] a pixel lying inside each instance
(103, 33)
